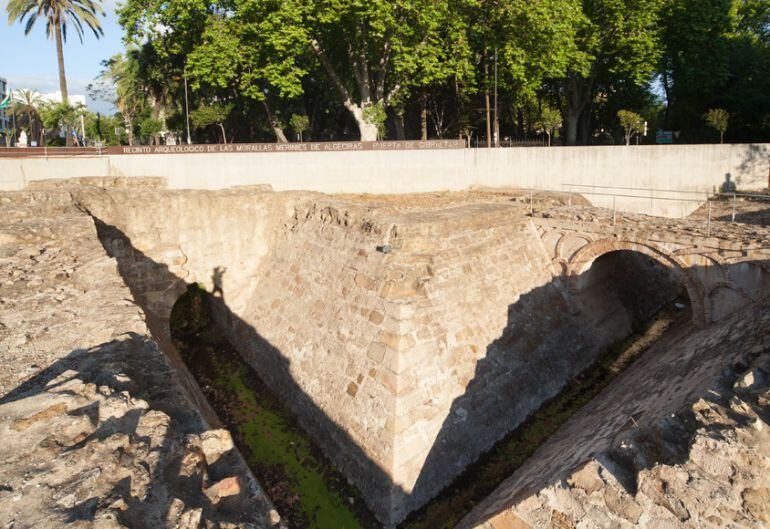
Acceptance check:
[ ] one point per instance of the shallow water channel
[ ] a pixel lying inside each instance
(304, 486)
(300, 480)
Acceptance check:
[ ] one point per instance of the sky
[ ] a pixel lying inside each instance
(29, 61)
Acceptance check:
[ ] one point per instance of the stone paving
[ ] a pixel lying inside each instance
(680, 440)
(96, 429)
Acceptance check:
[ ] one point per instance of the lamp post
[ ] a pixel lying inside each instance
(497, 121)
(186, 106)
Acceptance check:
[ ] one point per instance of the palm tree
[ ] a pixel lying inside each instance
(26, 104)
(59, 15)
(119, 84)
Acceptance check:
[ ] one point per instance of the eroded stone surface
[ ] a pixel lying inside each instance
(407, 334)
(96, 429)
(406, 364)
(682, 439)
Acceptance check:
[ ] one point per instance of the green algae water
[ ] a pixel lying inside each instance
(304, 486)
(306, 489)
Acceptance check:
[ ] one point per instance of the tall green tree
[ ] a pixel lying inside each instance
(695, 65)
(362, 66)
(717, 55)
(120, 83)
(618, 38)
(440, 52)
(535, 41)
(59, 16)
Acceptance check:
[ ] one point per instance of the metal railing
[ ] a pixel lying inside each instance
(650, 192)
(704, 197)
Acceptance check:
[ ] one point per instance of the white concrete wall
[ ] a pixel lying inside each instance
(700, 168)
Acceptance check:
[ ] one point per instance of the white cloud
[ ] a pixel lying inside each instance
(55, 97)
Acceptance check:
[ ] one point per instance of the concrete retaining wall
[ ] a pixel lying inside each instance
(700, 168)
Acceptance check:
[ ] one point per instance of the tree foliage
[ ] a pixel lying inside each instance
(548, 121)
(299, 123)
(718, 119)
(383, 69)
(213, 114)
(631, 122)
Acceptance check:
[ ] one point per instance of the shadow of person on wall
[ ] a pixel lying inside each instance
(728, 186)
(217, 277)
(524, 364)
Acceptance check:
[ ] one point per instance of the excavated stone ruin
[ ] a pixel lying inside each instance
(408, 336)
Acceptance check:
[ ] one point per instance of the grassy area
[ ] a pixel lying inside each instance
(306, 489)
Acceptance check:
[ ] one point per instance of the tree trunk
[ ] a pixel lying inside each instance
(572, 117)
(398, 121)
(424, 116)
(549, 138)
(62, 75)
(157, 112)
(584, 127)
(578, 95)
(280, 137)
(721, 137)
(368, 130)
(224, 136)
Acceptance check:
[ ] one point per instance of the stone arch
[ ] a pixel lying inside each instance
(582, 260)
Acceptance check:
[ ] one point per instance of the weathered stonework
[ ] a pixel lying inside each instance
(407, 340)
(680, 440)
(96, 428)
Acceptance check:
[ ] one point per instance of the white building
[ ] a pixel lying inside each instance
(5, 118)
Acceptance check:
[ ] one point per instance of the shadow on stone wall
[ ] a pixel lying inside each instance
(518, 374)
(552, 335)
(135, 267)
(756, 161)
(668, 445)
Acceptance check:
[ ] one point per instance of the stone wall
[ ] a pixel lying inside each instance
(407, 342)
(97, 428)
(684, 172)
(494, 331)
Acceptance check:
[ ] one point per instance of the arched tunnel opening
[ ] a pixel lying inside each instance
(630, 302)
(623, 290)
(302, 483)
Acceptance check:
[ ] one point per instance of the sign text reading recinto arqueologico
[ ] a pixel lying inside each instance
(290, 147)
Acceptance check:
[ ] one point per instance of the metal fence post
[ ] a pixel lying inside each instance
(733, 207)
(708, 222)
